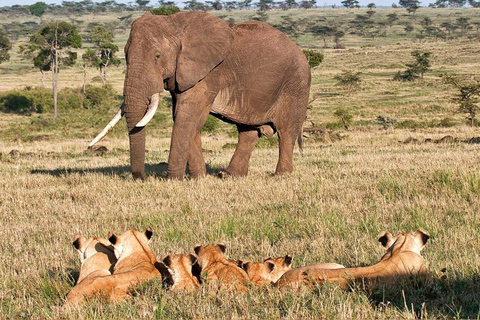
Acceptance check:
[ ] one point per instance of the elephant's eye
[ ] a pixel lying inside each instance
(157, 57)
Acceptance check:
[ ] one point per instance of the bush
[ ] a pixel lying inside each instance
(386, 122)
(211, 125)
(69, 98)
(267, 142)
(165, 11)
(97, 96)
(314, 58)
(27, 101)
(345, 117)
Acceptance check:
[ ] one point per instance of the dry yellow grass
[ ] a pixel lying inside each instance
(330, 209)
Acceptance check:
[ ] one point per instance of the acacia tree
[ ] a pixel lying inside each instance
(410, 5)
(38, 9)
(51, 44)
(468, 96)
(349, 80)
(105, 49)
(90, 59)
(5, 46)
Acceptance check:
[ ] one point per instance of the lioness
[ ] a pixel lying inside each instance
(135, 264)
(218, 271)
(96, 255)
(268, 271)
(180, 267)
(401, 259)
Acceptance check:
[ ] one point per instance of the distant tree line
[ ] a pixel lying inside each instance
(91, 7)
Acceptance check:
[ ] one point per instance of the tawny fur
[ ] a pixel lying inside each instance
(401, 259)
(180, 267)
(135, 264)
(295, 277)
(268, 271)
(96, 255)
(218, 271)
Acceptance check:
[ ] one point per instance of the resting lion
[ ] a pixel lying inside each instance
(96, 255)
(268, 271)
(180, 267)
(401, 259)
(218, 271)
(135, 264)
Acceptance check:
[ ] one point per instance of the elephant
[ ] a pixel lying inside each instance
(248, 74)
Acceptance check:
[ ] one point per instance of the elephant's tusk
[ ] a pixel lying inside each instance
(109, 126)
(152, 108)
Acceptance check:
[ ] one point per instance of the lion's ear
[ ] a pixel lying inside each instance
(270, 266)
(288, 260)
(113, 238)
(149, 233)
(167, 260)
(197, 248)
(423, 235)
(222, 246)
(240, 263)
(78, 242)
(192, 258)
(385, 238)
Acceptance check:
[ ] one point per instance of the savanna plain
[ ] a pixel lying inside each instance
(350, 182)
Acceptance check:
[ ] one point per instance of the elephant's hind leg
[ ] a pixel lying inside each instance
(286, 143)
(247, 139)
(288, 132)
(196, 163)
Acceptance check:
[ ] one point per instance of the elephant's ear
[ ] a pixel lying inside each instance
(205, 42)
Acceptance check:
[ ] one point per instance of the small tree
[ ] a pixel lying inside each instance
(350, 3)
(194, 5)
(349, 80)
(51, 43)
(467, 97)
(410, 5)
(165, 10)
(324, 31)
(38, 9)
(386, 122)
(415, 69)
(105, 50)
(90, 59)
(345, 117)
(5, 46)
(391, 18)
(314, 58)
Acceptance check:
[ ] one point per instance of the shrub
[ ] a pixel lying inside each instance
(166, 10)
(27, 101)
(415, 69)
(349, 80)
(69, 98)
(267, 142)
(211, 125)
(96, 96)
(345, 117)
(314, 58)
(386, 122)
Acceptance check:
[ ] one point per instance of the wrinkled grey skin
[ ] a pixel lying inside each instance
(248, 74)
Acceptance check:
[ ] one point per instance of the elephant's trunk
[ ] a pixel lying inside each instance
(137, 142)
(135, 93)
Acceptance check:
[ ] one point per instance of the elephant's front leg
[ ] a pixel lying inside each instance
(191, 112)
(247, 139)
